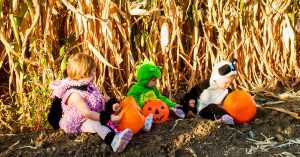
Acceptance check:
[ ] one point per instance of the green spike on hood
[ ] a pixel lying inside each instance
(147, 70)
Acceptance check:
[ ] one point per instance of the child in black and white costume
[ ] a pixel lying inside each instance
(206, 98)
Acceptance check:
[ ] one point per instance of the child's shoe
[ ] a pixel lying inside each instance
(121, 140)
(227, 119)
(148, 123)
(178, 112)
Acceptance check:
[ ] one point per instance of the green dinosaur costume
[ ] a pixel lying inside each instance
(140, 91)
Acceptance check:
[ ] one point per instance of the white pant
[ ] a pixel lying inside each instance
(92, 126)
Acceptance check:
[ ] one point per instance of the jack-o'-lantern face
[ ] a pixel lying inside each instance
(159, 110)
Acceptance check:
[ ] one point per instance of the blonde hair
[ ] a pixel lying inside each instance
(80, 66)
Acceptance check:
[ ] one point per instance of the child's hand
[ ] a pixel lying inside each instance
(115, 119)
(116, 107)
(106, 98)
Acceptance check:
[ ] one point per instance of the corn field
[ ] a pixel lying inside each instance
(184, 37)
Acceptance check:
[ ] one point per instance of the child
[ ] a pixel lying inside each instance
(83, 105)
(145, 89)
(190, 99)
(209, 101)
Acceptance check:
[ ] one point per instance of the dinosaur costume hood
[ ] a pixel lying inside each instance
(140, 91)
(145, 71)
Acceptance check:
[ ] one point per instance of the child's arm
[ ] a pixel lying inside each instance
(164, 99)
(76, 100)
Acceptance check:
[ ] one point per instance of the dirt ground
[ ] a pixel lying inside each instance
(272, 133)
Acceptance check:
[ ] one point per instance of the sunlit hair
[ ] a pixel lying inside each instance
(80, 66)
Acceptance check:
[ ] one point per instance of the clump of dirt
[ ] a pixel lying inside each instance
(271, 134)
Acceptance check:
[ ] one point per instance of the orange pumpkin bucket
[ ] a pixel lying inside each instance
(159, 110)
(131, 115)
(241, 106)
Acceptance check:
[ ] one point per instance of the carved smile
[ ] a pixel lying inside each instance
(159, 119)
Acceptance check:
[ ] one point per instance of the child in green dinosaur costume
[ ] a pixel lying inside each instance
(145, 89)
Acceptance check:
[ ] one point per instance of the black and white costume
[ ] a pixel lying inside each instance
(208, 95)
